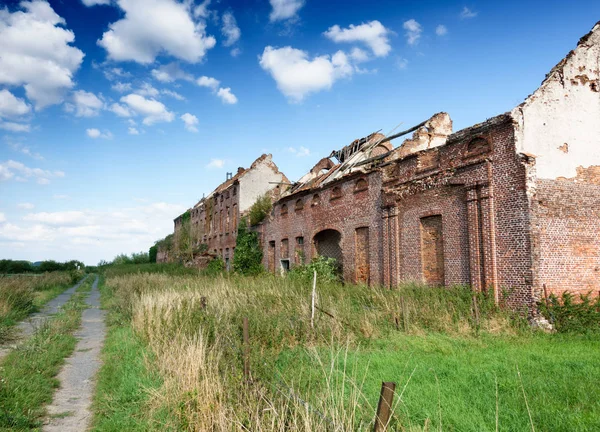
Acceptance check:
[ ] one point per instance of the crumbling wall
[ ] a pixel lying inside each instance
(260, 178)
(559, 123)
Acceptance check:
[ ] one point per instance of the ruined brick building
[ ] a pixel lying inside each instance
(214, 220)
(509, 205)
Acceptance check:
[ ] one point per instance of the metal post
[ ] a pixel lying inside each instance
(312, 308)
(384, 409)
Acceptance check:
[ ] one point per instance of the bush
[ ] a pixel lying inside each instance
(571, 315)
(215, 267)
(152, 252)
(327, 270)
(260, 209)
(247, 259)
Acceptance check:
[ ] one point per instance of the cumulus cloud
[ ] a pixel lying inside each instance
(211, 83)
(133, 131)
(296, 75)
(372, 34)
(413, 31)
(21, 148)
(146, 89)
(109, 232)
(441, 30)
(85, 104)
(2, 218)
(121, 87)
(230, 29)
(11, 106)
(171, 72)
(153, 27)
(191, 121)
(90, 3)
(216, 163)
(12, 170)
(401, 63)
(152, 110)
(95, 133)
(37, 52)
(115, 73)
(172, 94)
(25, 206)
(14, 127)
(467, 13)
(285, 9)
(121, 110)
(226, 96)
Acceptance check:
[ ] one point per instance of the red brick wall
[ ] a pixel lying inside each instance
(566, 234)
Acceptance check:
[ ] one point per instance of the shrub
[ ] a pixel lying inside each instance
(215, 267)
(260, 209)
(571, 315)
(247, 259)
(327, 270)
(152, 252)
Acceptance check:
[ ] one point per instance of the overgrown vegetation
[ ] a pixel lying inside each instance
(247, 259)
(25, 294)
(573, 314)
(27, 374)
(260, 209)
(326, 268)
(17, 267)
(453, 372)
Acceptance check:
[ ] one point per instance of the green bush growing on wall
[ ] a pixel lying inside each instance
(260, 209)
(247, 259)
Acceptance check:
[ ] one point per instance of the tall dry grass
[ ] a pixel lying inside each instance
(198, 350)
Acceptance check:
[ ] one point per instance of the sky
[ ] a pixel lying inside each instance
(118, 115)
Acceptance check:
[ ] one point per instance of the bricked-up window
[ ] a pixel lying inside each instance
(221, 221)
(228, 218)
(284, 250)
(478, 146)
(316, 200)
(361, 185)
(271, 256)
(234, 219)
(432, 250)
(284, 210)
(336, 193)
(299, 253)
(361, 255)
(299, 205)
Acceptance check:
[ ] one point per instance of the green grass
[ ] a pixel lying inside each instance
(124, 382)
(455, 379)
(28, 374)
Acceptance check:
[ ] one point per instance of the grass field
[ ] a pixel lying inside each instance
(27, 374)
(171, 364)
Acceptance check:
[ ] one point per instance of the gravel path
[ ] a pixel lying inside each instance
(28, 326)
(70, 409)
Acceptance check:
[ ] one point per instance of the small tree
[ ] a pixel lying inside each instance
(247, 259)
(260, 209)
(152, 253)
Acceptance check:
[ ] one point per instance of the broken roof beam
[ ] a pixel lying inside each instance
(399, 134)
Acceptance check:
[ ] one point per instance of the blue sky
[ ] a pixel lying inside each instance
(117, 115)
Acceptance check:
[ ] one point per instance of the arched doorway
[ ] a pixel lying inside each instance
(328, 244)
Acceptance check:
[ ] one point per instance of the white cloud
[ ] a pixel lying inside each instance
(114, 73)
(401, 63)
(121, 110)
(21, 172)
(441, 30)
(209, 82)
(230, 29)
(413, 31)
(69, 234)
(133, 131)
(235, 52)
(146, 89)
(21, 148)
(86, 104)
(12, 106)
(60, 197)
(152, 110)
(467, 13)
(285, 9)
(297, 76)
(226, 96)
(25, 206)
(172, 94)
(299, 152)
(121, 87)
(2, 218)
(36, 52)
(359, 55)
(95, 133)
(216, 163)
(191, 121)
(90, 3)
(201, 10)
(171, 72)
(373, 34)
(14, 127)
(154, 27)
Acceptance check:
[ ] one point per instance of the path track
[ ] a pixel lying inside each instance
(29, 325)
(70, 409)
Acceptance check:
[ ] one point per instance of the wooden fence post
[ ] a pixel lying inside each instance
(203, 303)
(384, 409)
(246, 350)
(476, 310)
(545, 294)
(404, 314)
(312, 308)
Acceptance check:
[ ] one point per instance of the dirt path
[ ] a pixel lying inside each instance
(28, 326)
(70, 409)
